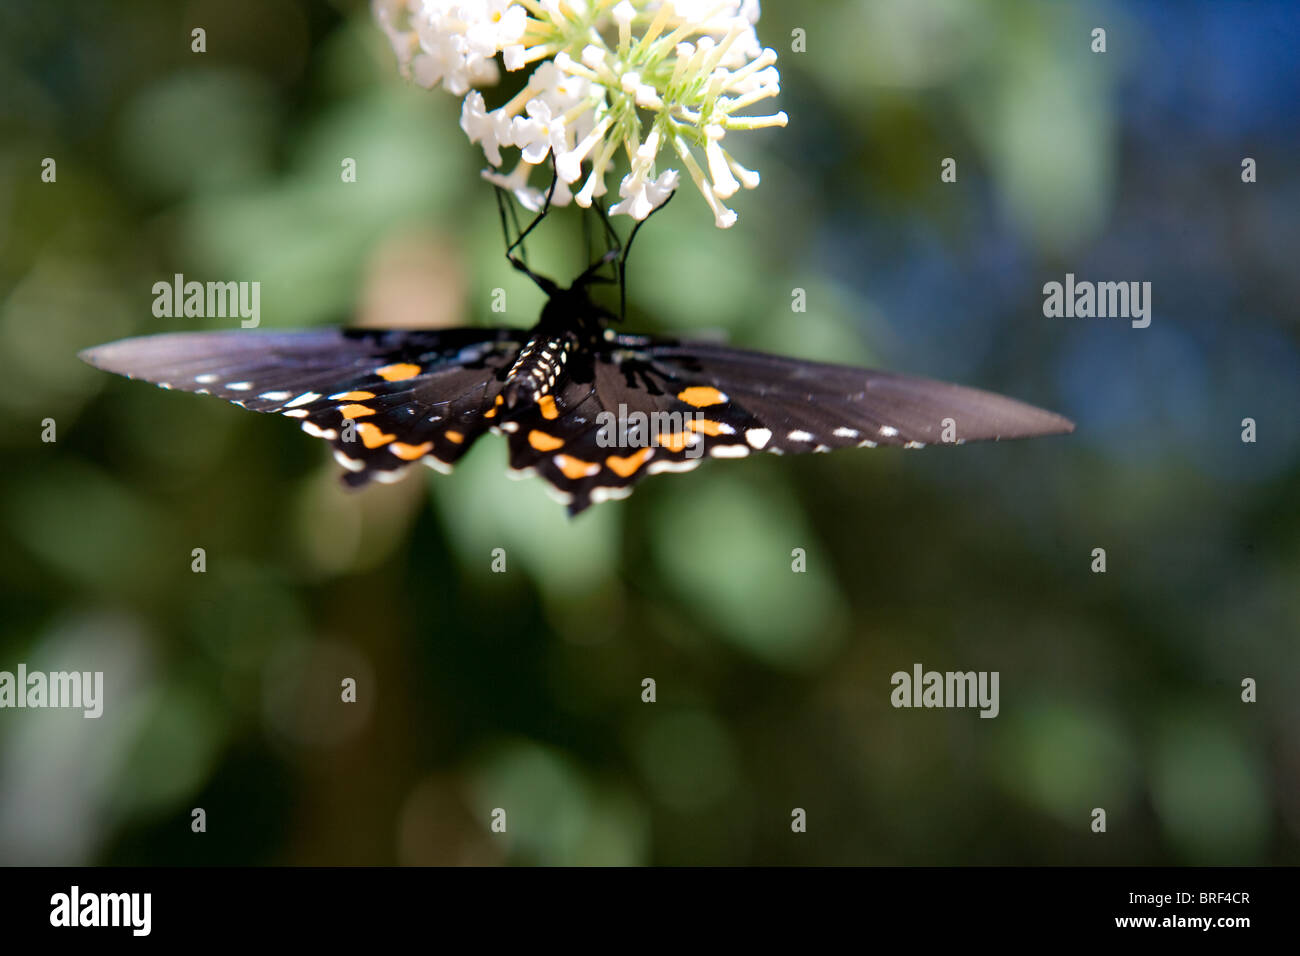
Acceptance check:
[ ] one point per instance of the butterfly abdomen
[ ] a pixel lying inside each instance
(538, 370)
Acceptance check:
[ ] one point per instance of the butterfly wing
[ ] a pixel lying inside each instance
(633, 407)
(710, 401)
(383, 399)
(811, 404)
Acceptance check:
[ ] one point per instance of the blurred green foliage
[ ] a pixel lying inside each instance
(523, 690)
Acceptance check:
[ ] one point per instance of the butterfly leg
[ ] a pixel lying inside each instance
(520, 262)
(613, 250)
(618, 252)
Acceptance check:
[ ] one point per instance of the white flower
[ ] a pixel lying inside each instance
(642, 192)
(496, 24)
(491, 129)
(643, 94)
(392, 18)
(724, 183)
(568, 165)
(539, 133)
(624, 13)
(611, 77)
(452, 42)
(642, 196)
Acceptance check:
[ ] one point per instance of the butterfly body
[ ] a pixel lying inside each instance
(588, 408)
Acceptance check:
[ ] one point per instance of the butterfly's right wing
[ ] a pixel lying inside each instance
(719, 402)
(800, 406)
(409, 395)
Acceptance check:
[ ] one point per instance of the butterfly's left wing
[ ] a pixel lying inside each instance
(720, 402)
(383, 399)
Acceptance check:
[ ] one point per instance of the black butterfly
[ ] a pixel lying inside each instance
(590, 409)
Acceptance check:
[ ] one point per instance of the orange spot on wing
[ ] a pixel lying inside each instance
(705, 425)
(547, 404)
(398, 372)
(371, 436)
(701, 395)
(544, 442)
(455, 436)
(355, 411)
(627, 467)
(575, 468)
(410, 452)
(674, 442)
(354, 396)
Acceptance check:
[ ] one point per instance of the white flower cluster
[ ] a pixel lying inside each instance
(640, 75)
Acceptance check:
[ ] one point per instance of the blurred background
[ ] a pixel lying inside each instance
(523, 690)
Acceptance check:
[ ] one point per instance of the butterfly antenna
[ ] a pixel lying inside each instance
(520, 262)
(546, 208)
(514, 220)
(622, 262)
(506, 213)
(614, 245)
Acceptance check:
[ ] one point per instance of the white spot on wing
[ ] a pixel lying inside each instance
(351, 464)
(889, 431)
(728, 451)
(563, 497)
(845, 433)
(655, 467)
(317, 432)
(306, 398)
(798, 435)
(758, 437)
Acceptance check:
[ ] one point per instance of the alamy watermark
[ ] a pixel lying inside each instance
(676, 431)
(62, 689)
(1100, 300)
(77, 909)
(951, 689)
(208, 300)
